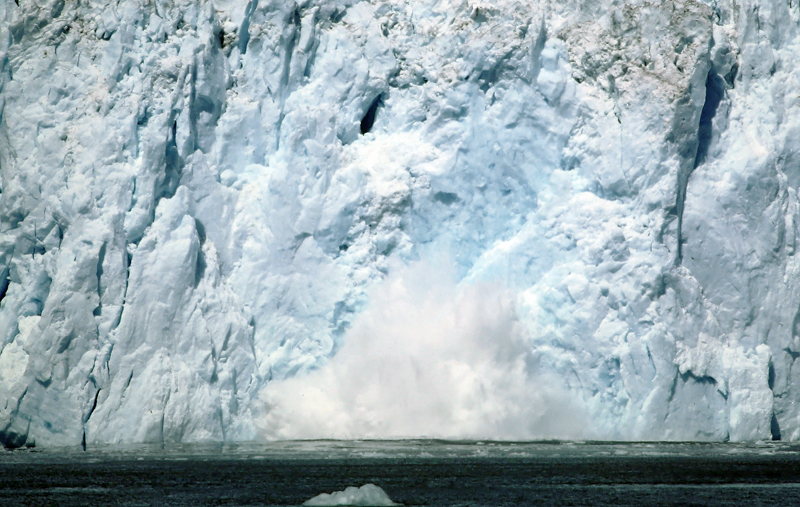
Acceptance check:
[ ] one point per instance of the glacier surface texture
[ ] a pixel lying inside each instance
(259, 219)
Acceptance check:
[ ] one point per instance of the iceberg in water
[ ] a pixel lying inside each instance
(367, 495)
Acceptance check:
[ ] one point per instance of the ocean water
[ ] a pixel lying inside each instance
(413, 472)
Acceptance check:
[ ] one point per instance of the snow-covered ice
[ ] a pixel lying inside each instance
(367, 495)
(513, 219)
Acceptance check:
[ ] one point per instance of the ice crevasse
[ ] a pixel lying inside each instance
(492, 216)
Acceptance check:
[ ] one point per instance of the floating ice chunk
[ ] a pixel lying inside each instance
(368, 494)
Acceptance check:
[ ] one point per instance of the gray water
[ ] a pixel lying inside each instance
(414, 472)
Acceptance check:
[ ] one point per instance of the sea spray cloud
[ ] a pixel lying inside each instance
(427, 358)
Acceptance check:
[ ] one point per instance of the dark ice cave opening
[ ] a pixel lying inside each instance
(173, 165)
(3, 283)
(446, 198)
(369, 119)
(715, 91)
(200, 267)
(99, 272)
(771, 376)
(775, 428)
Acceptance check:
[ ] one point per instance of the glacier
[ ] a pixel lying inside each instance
(231, 220)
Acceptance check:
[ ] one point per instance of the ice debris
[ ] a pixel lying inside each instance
(367, 495)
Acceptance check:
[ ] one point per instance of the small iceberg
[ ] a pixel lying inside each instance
(367, 495)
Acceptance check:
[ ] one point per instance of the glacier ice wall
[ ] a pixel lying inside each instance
(199, 199)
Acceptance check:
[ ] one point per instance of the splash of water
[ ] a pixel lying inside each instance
(428, 358)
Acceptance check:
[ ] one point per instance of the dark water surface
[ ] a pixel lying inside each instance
(424, 472)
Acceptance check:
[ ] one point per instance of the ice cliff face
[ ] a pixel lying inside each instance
(199, 198)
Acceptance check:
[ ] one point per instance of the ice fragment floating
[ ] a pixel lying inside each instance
(367, 495)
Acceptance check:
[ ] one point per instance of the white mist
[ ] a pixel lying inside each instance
(428, 358)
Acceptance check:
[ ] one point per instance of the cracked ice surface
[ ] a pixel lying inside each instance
(194, 208)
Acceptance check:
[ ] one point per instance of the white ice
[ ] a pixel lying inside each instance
(194, 231)
(367, 495)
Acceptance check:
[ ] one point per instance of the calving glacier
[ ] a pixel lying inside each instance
(259, 219)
